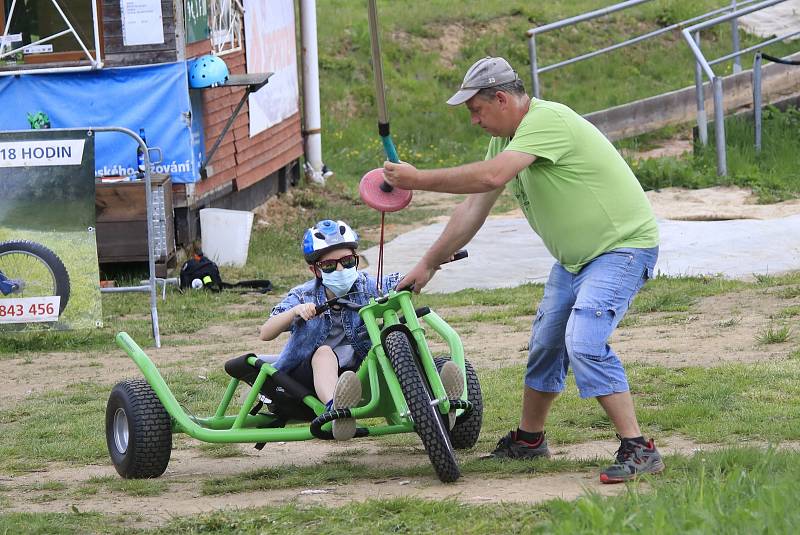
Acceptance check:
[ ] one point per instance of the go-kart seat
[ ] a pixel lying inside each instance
(285, 394)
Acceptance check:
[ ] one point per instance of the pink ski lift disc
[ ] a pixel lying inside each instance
(372, 191)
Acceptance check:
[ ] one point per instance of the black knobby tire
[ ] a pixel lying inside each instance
(21, 259)
(428, 422)
(467, 428)
(138, 430)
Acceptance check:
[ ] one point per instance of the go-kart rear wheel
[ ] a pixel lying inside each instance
(138, 430)
(465, 432)
(427, 421)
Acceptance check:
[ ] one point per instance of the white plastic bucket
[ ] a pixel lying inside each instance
(226, 235)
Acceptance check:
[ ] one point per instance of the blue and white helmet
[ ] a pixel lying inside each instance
(325, 236)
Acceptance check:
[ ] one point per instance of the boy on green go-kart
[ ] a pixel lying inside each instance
(324, 350)
(356, 350)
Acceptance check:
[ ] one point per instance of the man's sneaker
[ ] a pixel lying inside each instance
(509, 447)
(633, 460)
(346, 395)
(453, 383)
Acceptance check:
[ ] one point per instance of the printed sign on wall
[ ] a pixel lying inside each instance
(195, 13)
(270, 41)
(142, 22)
(154, 97)
(49, 277)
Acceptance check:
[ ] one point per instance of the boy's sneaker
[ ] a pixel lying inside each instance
(346, 395)
(509, 447)
(633, 460)
(453, 383)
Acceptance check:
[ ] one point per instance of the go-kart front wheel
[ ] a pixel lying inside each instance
(138, 431)
(427, 421)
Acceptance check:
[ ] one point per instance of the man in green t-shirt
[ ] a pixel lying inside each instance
(583, 200)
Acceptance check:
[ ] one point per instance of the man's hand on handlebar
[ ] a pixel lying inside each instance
(417, 278)
(421, 274)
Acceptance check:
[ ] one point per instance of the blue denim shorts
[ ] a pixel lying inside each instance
(576, 317)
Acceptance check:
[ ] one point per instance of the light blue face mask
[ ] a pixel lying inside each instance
(340, 281)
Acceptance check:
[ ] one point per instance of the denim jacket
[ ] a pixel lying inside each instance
(307, 336)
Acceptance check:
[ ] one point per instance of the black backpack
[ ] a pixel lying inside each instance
(201, 268)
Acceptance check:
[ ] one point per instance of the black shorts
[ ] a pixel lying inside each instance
(304, 373)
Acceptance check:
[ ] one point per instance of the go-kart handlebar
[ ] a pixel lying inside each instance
(458, 255)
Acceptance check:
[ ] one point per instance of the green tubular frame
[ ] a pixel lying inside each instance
(386, 398)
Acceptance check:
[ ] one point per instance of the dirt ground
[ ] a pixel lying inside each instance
(719, 329)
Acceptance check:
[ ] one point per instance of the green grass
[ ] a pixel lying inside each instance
(190, 312)
(772, 174)
(774, 335)
(341, 471)
(731, 491)
(111, 485)
(69, 425)
(181, 313)
(789, 312)
(75, 523)
(220, 451)
(737, 490)
(790, 293)
(721, 404)
(421, 72)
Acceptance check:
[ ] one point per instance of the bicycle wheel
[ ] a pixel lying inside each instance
(465, 433)
(428, 422)
(38, 270)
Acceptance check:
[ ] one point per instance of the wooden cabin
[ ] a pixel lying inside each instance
(103, 37)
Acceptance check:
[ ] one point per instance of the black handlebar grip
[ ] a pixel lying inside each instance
(463, 253)
(458, 255)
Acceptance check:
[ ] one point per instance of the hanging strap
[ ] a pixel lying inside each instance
(380, 256)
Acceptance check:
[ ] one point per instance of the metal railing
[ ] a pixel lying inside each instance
(702, 65)
(757, 92)
(533, 32)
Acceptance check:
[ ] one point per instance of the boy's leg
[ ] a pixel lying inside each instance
(547, 369)
(453, 383)
(346, 395)
(337, 392)
(605, 289)
(325, 366)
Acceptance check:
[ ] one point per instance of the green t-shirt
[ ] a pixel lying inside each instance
(579, 195)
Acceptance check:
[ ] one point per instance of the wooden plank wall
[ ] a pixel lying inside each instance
(240, 159)
(116, 54)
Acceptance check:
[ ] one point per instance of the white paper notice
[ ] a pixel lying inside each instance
(270, 39)
(41, 153)
(142, 22)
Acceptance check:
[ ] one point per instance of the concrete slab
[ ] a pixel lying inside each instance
(774, 21)
(507, 253)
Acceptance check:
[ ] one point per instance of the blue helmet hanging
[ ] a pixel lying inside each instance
(207, 71)
(326, 236)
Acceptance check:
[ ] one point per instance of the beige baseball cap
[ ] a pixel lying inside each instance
(486, 72)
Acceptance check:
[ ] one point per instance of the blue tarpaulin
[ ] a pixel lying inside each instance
(153, 97)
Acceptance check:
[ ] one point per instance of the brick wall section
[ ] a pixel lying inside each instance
(241, 159)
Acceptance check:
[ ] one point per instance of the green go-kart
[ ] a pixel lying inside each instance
(400, 381)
